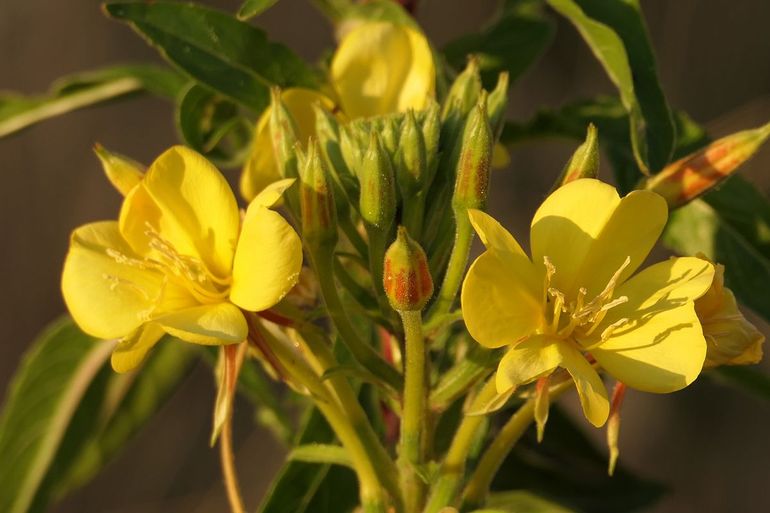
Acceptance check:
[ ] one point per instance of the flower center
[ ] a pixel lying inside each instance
(578, 317)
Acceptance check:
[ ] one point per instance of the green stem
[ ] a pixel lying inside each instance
(476, 490)
(366, 355)
(456, 268)
(411, 449)
(378, 240)
(453, 467)
(374, 497)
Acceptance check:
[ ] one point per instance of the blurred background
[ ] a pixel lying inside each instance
(709, 444)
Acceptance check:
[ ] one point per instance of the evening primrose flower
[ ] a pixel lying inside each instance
(379, 68)
(179, 260)
(575, 300)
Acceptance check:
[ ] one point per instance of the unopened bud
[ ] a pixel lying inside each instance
(319, 221)
(283, 132)
(464, 91)
(406, 278)
(378, 190)
(122, 172)
(730, 338)
(411, 158)
(472, 181)
(389, 133)
(584, 163)
(328, 132)
(497, 103)
(352, 153)
(431, 128)
(691, 176)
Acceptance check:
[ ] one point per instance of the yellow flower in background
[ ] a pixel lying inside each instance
(379, 68)
(731, 339)
(577, 297)
(179, 260)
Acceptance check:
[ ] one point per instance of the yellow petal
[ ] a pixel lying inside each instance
(271, 194)
(525, 362)
(501, 158)
(107, 295)
(131, 351)
(587, 232)
(492, 233)
(661, 348)
(267, 262)
(261, 169)
(194, 209)
(122, 172)
(221, 323)
(501, 300)
(381, 68)
(590, 388)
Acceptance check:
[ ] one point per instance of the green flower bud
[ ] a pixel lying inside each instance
(378, 190)
(472, 179)
(351, 150)
(283, 131)
(122, 172)
(464, 91)
(497, 103)
(411, 160)
(584, 163)
(406, 278)
(389, 133)
(319, 219)
(431, 128)
(328, 131)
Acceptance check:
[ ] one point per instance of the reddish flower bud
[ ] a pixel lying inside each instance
(407, 279)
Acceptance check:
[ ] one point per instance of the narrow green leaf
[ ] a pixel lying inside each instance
(512, 42)
(83, 90)
(609, 49)
(377, 10)
(321, 453)
(251, 8)
(521, 501)
(43, 397)
(626, 19)
(223, 53)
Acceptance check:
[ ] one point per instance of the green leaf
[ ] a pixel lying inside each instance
(377, 10)
(512, 43)
(302, 487)
(626, 19)
(213, 125)
(566, 468)
(321, 453)
(83, 90)
(520, 501)
(221, 52)
(609, 49)
(251, 8)
(748, 379)
(44, 395)
(67, 413)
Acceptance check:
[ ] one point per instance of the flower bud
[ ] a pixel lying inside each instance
(319, 220)
(691, 176)
(730, 338)
(406, 278)
(328, 131)
(378, 192)
(351, 150)
(497, 103)
(584, 163)
(472, 180)
(411, 161)
(464, 91)
(283, 132)
(122, 172)
(431, 128)
(389, 132)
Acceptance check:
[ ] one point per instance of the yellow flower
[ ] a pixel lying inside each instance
(379, 68)
(179, 260)
(576, 297)
(731, 339)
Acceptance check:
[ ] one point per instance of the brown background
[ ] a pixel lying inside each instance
(708, 443)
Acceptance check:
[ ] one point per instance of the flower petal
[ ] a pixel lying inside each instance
(381, 68)
(661, 347)
(217, 324)
(590, 388)
(525, 362)
(107, 290)
(271, 194)
(194, 210)
(132, 350)
(261, 169)
(587, 232)
(492, 233)
(267, 261)
(500, 298)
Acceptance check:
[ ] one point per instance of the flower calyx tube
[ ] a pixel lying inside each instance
(318, 214)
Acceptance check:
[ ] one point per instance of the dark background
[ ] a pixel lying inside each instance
(710, 444)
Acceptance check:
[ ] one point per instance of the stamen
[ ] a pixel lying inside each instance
(117, 281)
(558, 307)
